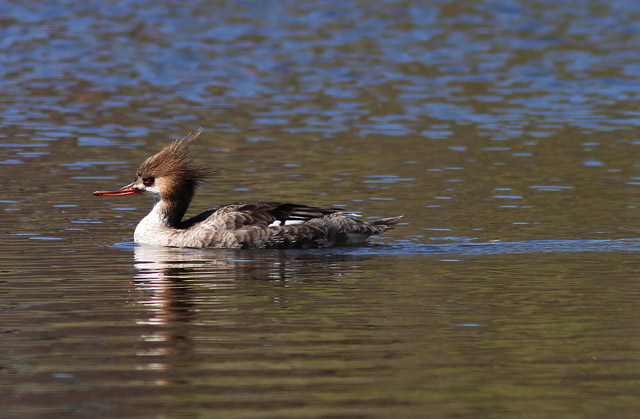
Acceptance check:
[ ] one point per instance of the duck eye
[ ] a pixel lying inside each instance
(148, 181)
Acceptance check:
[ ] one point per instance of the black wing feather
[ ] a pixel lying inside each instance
(268, 212)
(244, 214)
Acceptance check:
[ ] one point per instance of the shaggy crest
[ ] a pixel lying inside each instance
(174, 161)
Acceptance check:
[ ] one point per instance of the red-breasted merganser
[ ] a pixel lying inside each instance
(171, 177)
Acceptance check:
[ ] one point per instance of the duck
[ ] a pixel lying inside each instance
(171, 177)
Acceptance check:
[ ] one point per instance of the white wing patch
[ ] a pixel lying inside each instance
(286, 222)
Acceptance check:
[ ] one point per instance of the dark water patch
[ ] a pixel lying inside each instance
(327, 330)
(462, 247)
(467, 248)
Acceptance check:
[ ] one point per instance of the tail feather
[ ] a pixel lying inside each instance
(330, 230)
(358, 235)
(384, 224)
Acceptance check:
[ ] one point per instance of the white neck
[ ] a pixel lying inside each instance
(154, 228)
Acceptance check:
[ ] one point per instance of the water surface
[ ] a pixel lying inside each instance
(505, 132)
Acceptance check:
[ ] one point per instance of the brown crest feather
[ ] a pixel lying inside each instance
(174, 161)
(177, 173)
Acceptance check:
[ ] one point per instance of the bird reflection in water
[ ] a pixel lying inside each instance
(196, 297)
